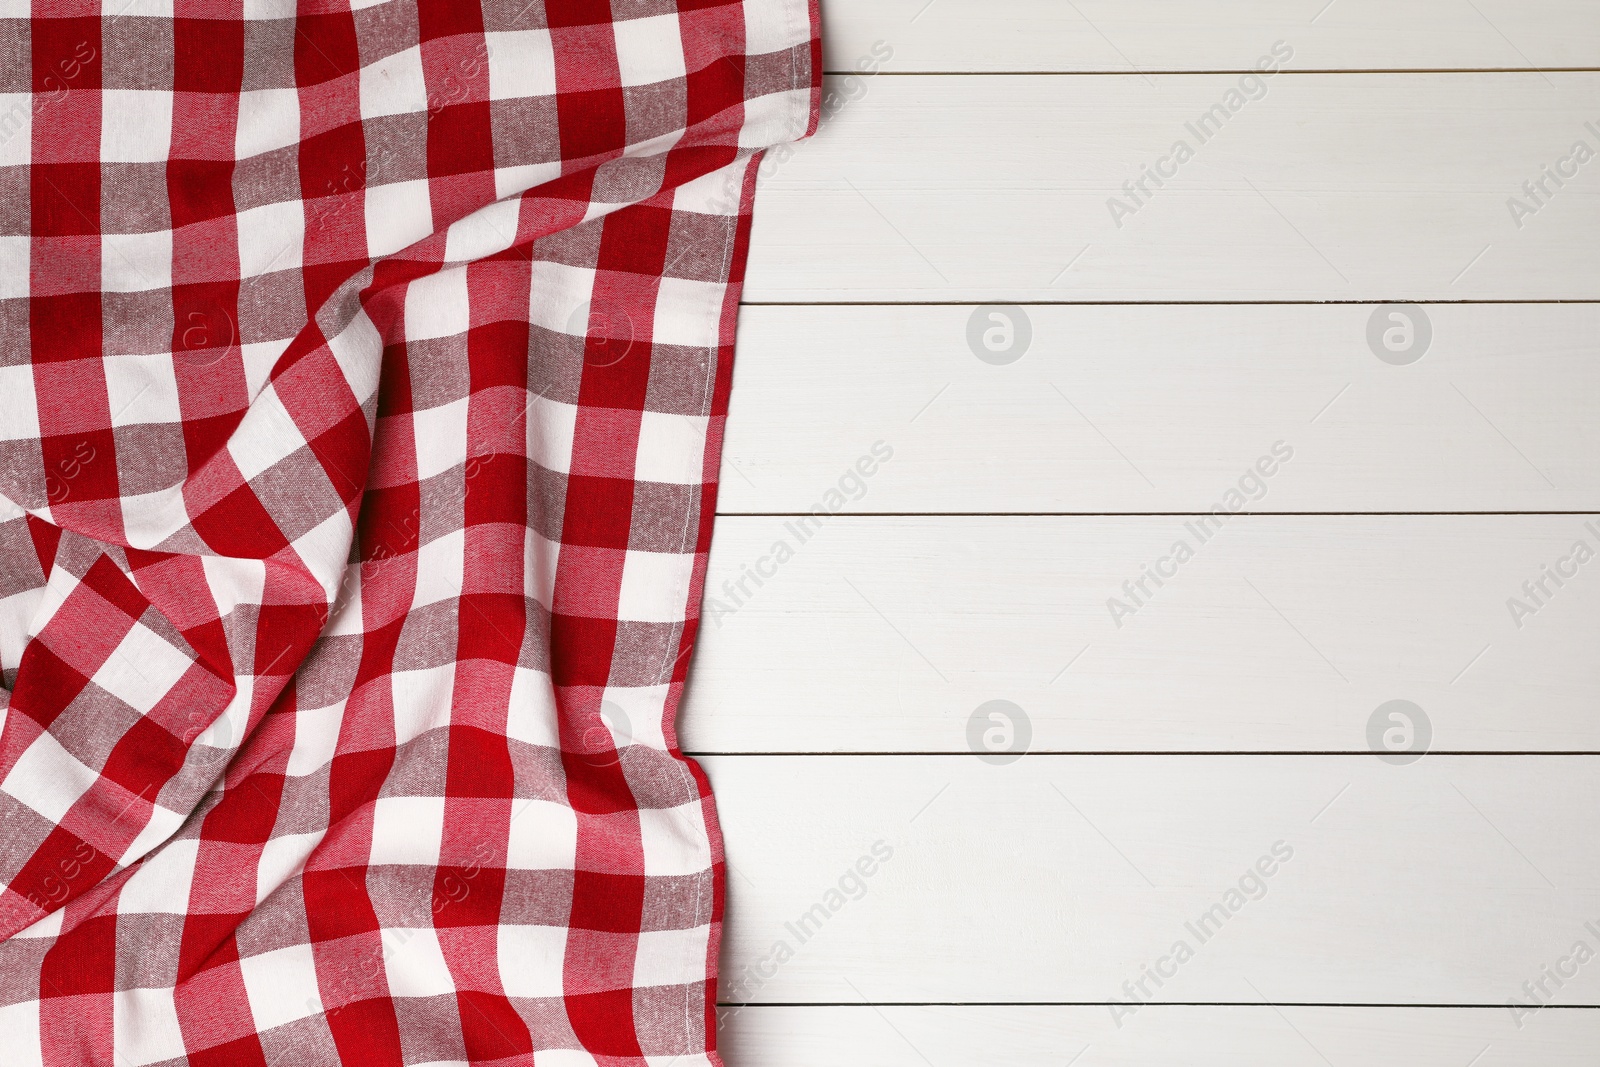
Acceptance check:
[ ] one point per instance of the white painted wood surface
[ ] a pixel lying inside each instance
(1058, 878)
(1328, 187)
(1193, 1036)
(1228, 312)
(1280, 634)
(1160, 408)
(1119, 36)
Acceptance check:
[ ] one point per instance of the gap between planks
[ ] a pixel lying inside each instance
(1219, 70)
(1153, 752)
(1120, 514)
(1109, 1003)
(1152, 303)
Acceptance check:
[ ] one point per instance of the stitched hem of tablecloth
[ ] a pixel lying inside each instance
(808, 14)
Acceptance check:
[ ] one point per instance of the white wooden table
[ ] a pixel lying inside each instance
(1331, 323)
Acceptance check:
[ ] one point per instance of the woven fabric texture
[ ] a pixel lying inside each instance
(362, 377)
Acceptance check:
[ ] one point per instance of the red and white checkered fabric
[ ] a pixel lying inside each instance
(362, 376)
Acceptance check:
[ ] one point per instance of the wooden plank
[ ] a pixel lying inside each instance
(1312, 879)
(1280, 634)
(1196, 1036)
(1155, 35)
(1159, 408)
(1351, 187)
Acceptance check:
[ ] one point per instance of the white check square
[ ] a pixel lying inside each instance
(160, 883)
(269, 119)
(398, 214)
(281, 986)
(671, 957)
(16, 125)
(414, 963)
(407, 830)
(421, 700)
(655, 586)
(20, 1021)
(266, 435)
(135, 125)
(441, 565)
(531, 960)
(436, 305)
(394, 85)
(145, 1022)
(674, 840)
(142, 390)
(543, 836)
(271, 238)
(773, 28)
(48, 778)
(552, 428)
(142, 670)
(441, 437)
(136, 262)
(688, 313)
(19, 415)
(672, 448)
(649, 50)
(521, 63)
(116, 9)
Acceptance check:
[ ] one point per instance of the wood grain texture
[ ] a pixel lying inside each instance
(1174, 341)
(1159, 408)
(1325, 187)
(1196, 1036)
(1120, 36)
(1058, 879)
(1280, 634)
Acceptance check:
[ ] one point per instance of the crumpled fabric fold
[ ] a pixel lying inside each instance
(362, 378)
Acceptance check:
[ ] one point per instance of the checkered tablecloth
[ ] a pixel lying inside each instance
(362, 377)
